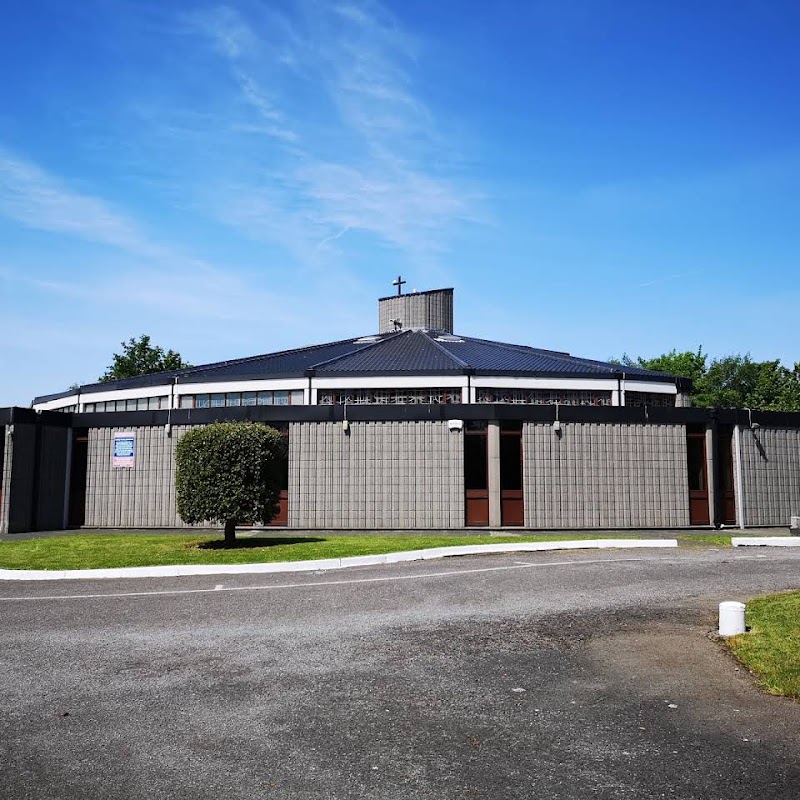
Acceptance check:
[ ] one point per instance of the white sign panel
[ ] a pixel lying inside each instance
(124, 449)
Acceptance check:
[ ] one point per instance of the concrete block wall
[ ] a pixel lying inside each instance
(770, 460)
(381, 475)
(604, 475)
(140, 497)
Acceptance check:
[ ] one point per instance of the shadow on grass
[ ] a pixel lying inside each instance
(256, 541)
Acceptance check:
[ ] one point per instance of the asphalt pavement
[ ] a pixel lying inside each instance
(555, 675)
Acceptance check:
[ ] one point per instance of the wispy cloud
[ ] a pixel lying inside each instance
(361, 153)
(161, 276)
(281, 142)
(41, 201)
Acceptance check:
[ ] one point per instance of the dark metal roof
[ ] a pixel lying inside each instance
(484, 355)
(406, 352)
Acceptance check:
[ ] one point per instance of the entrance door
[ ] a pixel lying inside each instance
(726, 490)
(476, 474)
(281, 518)
(76, 514)
(698, 476)
(512, 508)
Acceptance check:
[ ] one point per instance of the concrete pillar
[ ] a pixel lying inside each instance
(710, 473)
(493, 456)
(738, 483)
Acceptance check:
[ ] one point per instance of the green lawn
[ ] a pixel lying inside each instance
(771, 648)
(97, 550)
(704, 539)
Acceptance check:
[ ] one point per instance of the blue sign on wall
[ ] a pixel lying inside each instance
(124, 452)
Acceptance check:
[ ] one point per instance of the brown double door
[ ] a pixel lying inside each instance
(512, 507)
(701, 483)
(476, 474)
(698, 476)
(281, 518)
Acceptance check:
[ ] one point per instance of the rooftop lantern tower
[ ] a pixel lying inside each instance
(432, 310)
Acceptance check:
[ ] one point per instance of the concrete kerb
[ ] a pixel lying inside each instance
(765, 541)
(182, 570)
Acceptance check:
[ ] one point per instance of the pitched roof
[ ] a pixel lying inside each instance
(407, 352)
(410, 351)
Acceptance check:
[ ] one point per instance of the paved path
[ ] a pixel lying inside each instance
(562, 675)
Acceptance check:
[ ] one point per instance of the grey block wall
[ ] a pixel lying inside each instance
(603, 475)
(381, 475)
(770, 475)
(140, 497)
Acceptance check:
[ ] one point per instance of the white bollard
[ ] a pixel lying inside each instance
(731, 618)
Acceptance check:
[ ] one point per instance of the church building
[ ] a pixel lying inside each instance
(416, 426)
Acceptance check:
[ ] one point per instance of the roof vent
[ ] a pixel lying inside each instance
(449, 338)
(367, 340)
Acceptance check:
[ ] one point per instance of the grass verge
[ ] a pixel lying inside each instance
(703, 540)
(771, 649)
(96, 551)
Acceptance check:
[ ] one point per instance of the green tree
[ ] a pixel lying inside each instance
(687, 364)
(139, 357)
(228, 473)
(737, 381)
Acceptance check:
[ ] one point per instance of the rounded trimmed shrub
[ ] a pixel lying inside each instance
(229, 472)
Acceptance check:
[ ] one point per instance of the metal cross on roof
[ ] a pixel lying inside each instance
(399, 284)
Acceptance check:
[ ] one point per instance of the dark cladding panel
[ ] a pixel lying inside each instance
(51, 485)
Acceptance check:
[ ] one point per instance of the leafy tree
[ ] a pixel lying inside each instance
(734, 381)
(139, 357)
(228, 473)
(683, 365)
(739, 382)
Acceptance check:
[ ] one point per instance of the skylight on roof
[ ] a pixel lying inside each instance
(367, 340)
(449, 338)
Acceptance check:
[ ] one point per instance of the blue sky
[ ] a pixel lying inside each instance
(598, 177)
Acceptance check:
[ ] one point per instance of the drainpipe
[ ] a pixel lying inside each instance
(168, 426)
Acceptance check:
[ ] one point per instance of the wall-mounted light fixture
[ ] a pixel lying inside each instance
(754, 426)
(557, 424)
(345, 423)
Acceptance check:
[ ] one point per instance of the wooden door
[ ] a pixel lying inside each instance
(281, 518)
(698, 479)
(512, 506)
(476, 474)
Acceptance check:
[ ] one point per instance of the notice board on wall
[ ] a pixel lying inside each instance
(124, 450)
